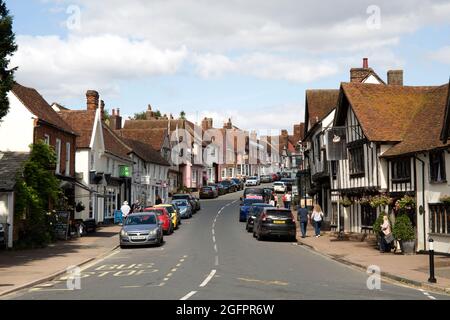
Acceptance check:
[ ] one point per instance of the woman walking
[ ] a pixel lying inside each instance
(317, 217)
(386, 236)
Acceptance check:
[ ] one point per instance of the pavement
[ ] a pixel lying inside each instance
(408, 269)
(25, 268)
(213, 257)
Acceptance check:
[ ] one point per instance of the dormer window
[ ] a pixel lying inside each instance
(437, 167)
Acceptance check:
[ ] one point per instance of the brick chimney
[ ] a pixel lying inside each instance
(395, 77)
(359, 74)
(115, 121)
(284, 133)
(150, 114)
(102, 109)
(207, 124)
(92, 100)
(228, 125)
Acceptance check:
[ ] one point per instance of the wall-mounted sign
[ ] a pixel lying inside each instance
(124, 171)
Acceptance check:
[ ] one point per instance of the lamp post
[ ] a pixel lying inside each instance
(431, 279)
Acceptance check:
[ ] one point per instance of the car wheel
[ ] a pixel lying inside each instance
(122, 246)
(254, 234)
(259, 237)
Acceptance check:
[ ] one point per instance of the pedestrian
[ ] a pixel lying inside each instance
(158, 200)
(288, 200)
(386, 235)
(135, 207)
(303, 217)
(272, 202)
(317, 217)
(125, 210)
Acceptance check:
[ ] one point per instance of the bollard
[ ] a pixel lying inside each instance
(432, 279)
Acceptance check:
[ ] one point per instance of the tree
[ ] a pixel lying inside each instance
(183, 115)
(37, 190)
(139, 116)
(7, 49)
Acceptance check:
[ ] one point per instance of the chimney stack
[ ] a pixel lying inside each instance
(102, 109)
(359, 74)
(115, 121)
(207, 124)
(228, 125)
(395, 77)
(92, 100)
(365, 63)
(150, 115)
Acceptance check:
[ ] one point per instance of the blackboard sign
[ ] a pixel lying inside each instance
(62, 224)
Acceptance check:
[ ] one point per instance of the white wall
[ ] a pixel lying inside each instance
(17, 126)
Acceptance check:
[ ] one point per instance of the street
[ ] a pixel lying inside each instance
(211, 257)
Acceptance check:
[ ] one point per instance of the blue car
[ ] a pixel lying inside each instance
(245, 207)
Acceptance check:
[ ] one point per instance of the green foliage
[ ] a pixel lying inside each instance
(183, 189)
(139, 116)
(445, 199)
(378, 223)
(405, 203)
(346, 202)
(37, 188)
(7, 49)
(158, 114)
(381, 200)
(403, 228)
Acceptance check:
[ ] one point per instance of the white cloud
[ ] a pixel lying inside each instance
(71, 65)
(442, 55)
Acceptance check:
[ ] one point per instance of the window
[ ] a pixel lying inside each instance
(401, 170)
(58, 155)
(224, 173)
(92, 161)
(368, 215)
(67, 169)
(317, 148)
(334, 166)
(437, 166)
(230, 172)
(439, 219)
(356, 160)
(239, 169)
(107, 165)
(46, 139)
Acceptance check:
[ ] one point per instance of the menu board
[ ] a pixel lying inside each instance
(62, 225)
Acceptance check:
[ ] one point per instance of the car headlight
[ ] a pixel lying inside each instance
(183, 210)
(123, 233)
(153, 232)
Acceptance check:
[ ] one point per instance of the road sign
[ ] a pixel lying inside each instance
(295, 190)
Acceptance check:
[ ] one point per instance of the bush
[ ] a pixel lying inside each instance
(377, 224)
(403, 228)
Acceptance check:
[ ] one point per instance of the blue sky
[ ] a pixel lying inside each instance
(248, 60)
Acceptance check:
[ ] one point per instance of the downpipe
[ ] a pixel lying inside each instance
(423, 203)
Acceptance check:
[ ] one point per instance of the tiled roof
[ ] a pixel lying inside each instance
(319, 103)
(10, 164)
(114, 144)
(37, 105)
(146, 152)
(153, 137)
(83, 122)
(384, 112)
(423, 133)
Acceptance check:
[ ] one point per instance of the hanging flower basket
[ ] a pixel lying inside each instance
(406, 203)
(445, 199)
(381, 200)
(364, 201)
(346, 202)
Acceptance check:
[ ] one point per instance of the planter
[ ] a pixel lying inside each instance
(408, 246)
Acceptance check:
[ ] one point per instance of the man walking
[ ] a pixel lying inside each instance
(125, 210)
(303, 217)
(288, 200)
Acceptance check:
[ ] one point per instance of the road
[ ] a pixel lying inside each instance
(211, 256)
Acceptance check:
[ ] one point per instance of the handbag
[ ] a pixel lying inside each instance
(389, 238)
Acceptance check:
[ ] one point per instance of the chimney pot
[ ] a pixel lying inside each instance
(113, 112)
(366, 63)
(92, 100)
(395, 77)
(118, 112)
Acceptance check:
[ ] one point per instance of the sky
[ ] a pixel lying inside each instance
(248, 60)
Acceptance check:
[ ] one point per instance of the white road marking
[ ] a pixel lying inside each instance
(432, 298)
(190, 294)
(125, 287)
(178, 265)
(215, 247)
(185, 256)
(181, 260)
(217, 261)
(214, 239)
(174, 269)
(169, 274)
(208, 278)
(213, 231)
(166, 279)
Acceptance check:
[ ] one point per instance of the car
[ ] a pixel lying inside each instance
(245, 206)
(269, 191)
(289, 182)
(141, 228)
(232, 187)
(195, 205)
(185, 208)
(198, 206)
(252, 181)
(253, 191)
(266, 179)
(239, 183)
(174, 215)
(275, 222)
(279, 187)
(254, 212)
(163, 216)
(220, 188)
(275, 177)
(209, 192)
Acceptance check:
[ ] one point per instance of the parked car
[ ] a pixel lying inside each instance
(289, 182)
(163, 216)
(239, 183)
(275, 177)
(2, 235)
(252, 181)
(266, 179)
(188, 197)
(174, 215)
(185, 208)
(221, 189)
(232, 187)
(245, 207)
(254, 191)
(275, 222)
(141, 229)
(209, 192)
(253, 214)
(197, 204)
(279, 187)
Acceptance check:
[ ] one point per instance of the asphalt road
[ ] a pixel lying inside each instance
(210, 257)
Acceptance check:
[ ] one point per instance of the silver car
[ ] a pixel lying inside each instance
(185, 208)
(141, 229)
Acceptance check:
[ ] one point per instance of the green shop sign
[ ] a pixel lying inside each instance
(124, 171)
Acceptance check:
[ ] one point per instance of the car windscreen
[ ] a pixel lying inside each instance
(206, 189)
(249, 202)
(140, 219)
(180, 203)
(225, 183)
(170, 209)
(279, 213)
(157, 212)
(258, 191)
(278, 184)
(181, 196)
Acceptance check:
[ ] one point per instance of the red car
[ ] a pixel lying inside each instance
(163, 216)
(275, 177)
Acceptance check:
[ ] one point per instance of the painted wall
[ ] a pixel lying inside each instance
(18, 126)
